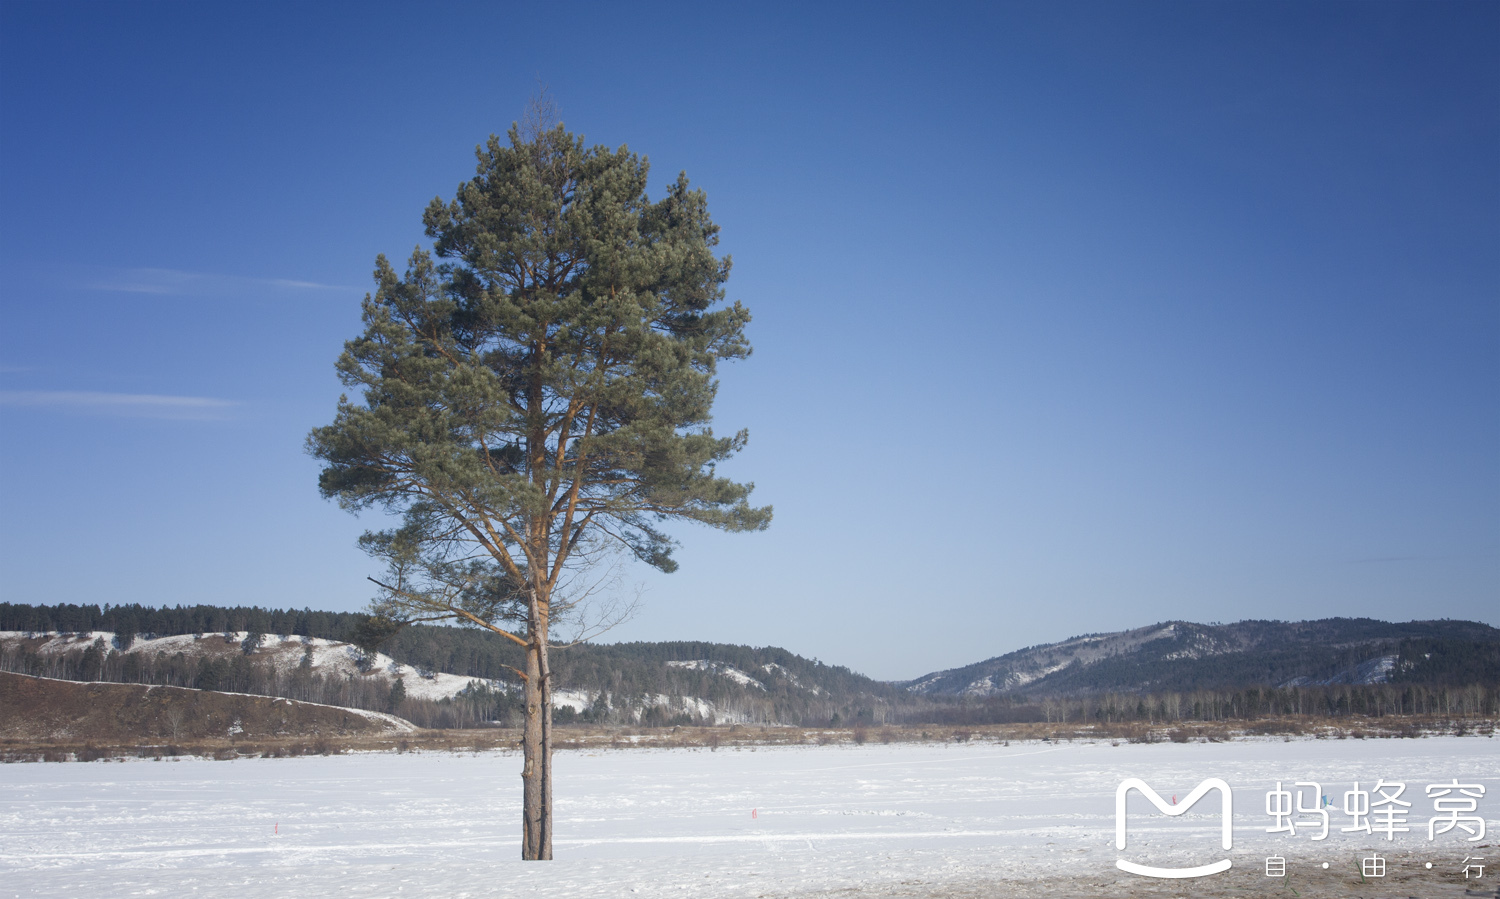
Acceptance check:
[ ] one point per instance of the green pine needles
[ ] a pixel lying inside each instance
(537, 394)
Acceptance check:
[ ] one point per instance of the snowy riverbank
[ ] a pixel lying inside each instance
(904, 819)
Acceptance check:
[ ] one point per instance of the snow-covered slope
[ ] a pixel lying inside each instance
(719, 668)
(285, 652)
(1181, 655)
(1015, 670)
(336, 659)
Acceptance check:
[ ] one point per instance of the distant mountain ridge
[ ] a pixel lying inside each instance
(450, 676)
(1183, 656)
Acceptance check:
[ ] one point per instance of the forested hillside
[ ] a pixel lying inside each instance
(448, 676)
(1179, 656)
(129, 620)
(650, 683)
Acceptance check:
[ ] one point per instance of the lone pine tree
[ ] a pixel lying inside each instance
(538, 394)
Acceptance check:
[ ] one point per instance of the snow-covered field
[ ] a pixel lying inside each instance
(913, 819)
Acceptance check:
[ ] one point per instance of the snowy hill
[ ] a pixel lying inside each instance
(1187, 656)
(637, 683)
(1182, 656)
(42, 709)
(284, 654)
(461, 677)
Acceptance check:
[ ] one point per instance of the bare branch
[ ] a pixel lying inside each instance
(445, 609)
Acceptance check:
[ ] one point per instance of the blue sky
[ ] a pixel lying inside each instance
(1069, 317)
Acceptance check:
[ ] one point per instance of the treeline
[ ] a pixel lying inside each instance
(633, 668)
(128, 621)
(1432, 661)
(1163, 666)
(626, 681)
(1447, 662)
(1180, 656)
(243, 672)
(1336, 631)
(1435, 672)
(1248, 704)
(465, 651)
(673, 698)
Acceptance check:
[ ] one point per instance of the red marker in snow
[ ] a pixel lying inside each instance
(753, 813)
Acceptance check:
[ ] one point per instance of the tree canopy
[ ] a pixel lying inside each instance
(549, 382)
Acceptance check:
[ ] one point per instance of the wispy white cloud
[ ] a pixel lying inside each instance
(148, 280)
(132, 405)
(171, 281)
(304, 285)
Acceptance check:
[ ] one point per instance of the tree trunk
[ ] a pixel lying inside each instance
(545, 667)
(532, 806)
(536, 745)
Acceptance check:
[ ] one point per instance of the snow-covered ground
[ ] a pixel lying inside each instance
(887, 820)
(721, 669)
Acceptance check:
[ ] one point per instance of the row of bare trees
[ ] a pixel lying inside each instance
(1334, 701)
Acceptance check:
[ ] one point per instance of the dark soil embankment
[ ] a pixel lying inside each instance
(34, 709)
